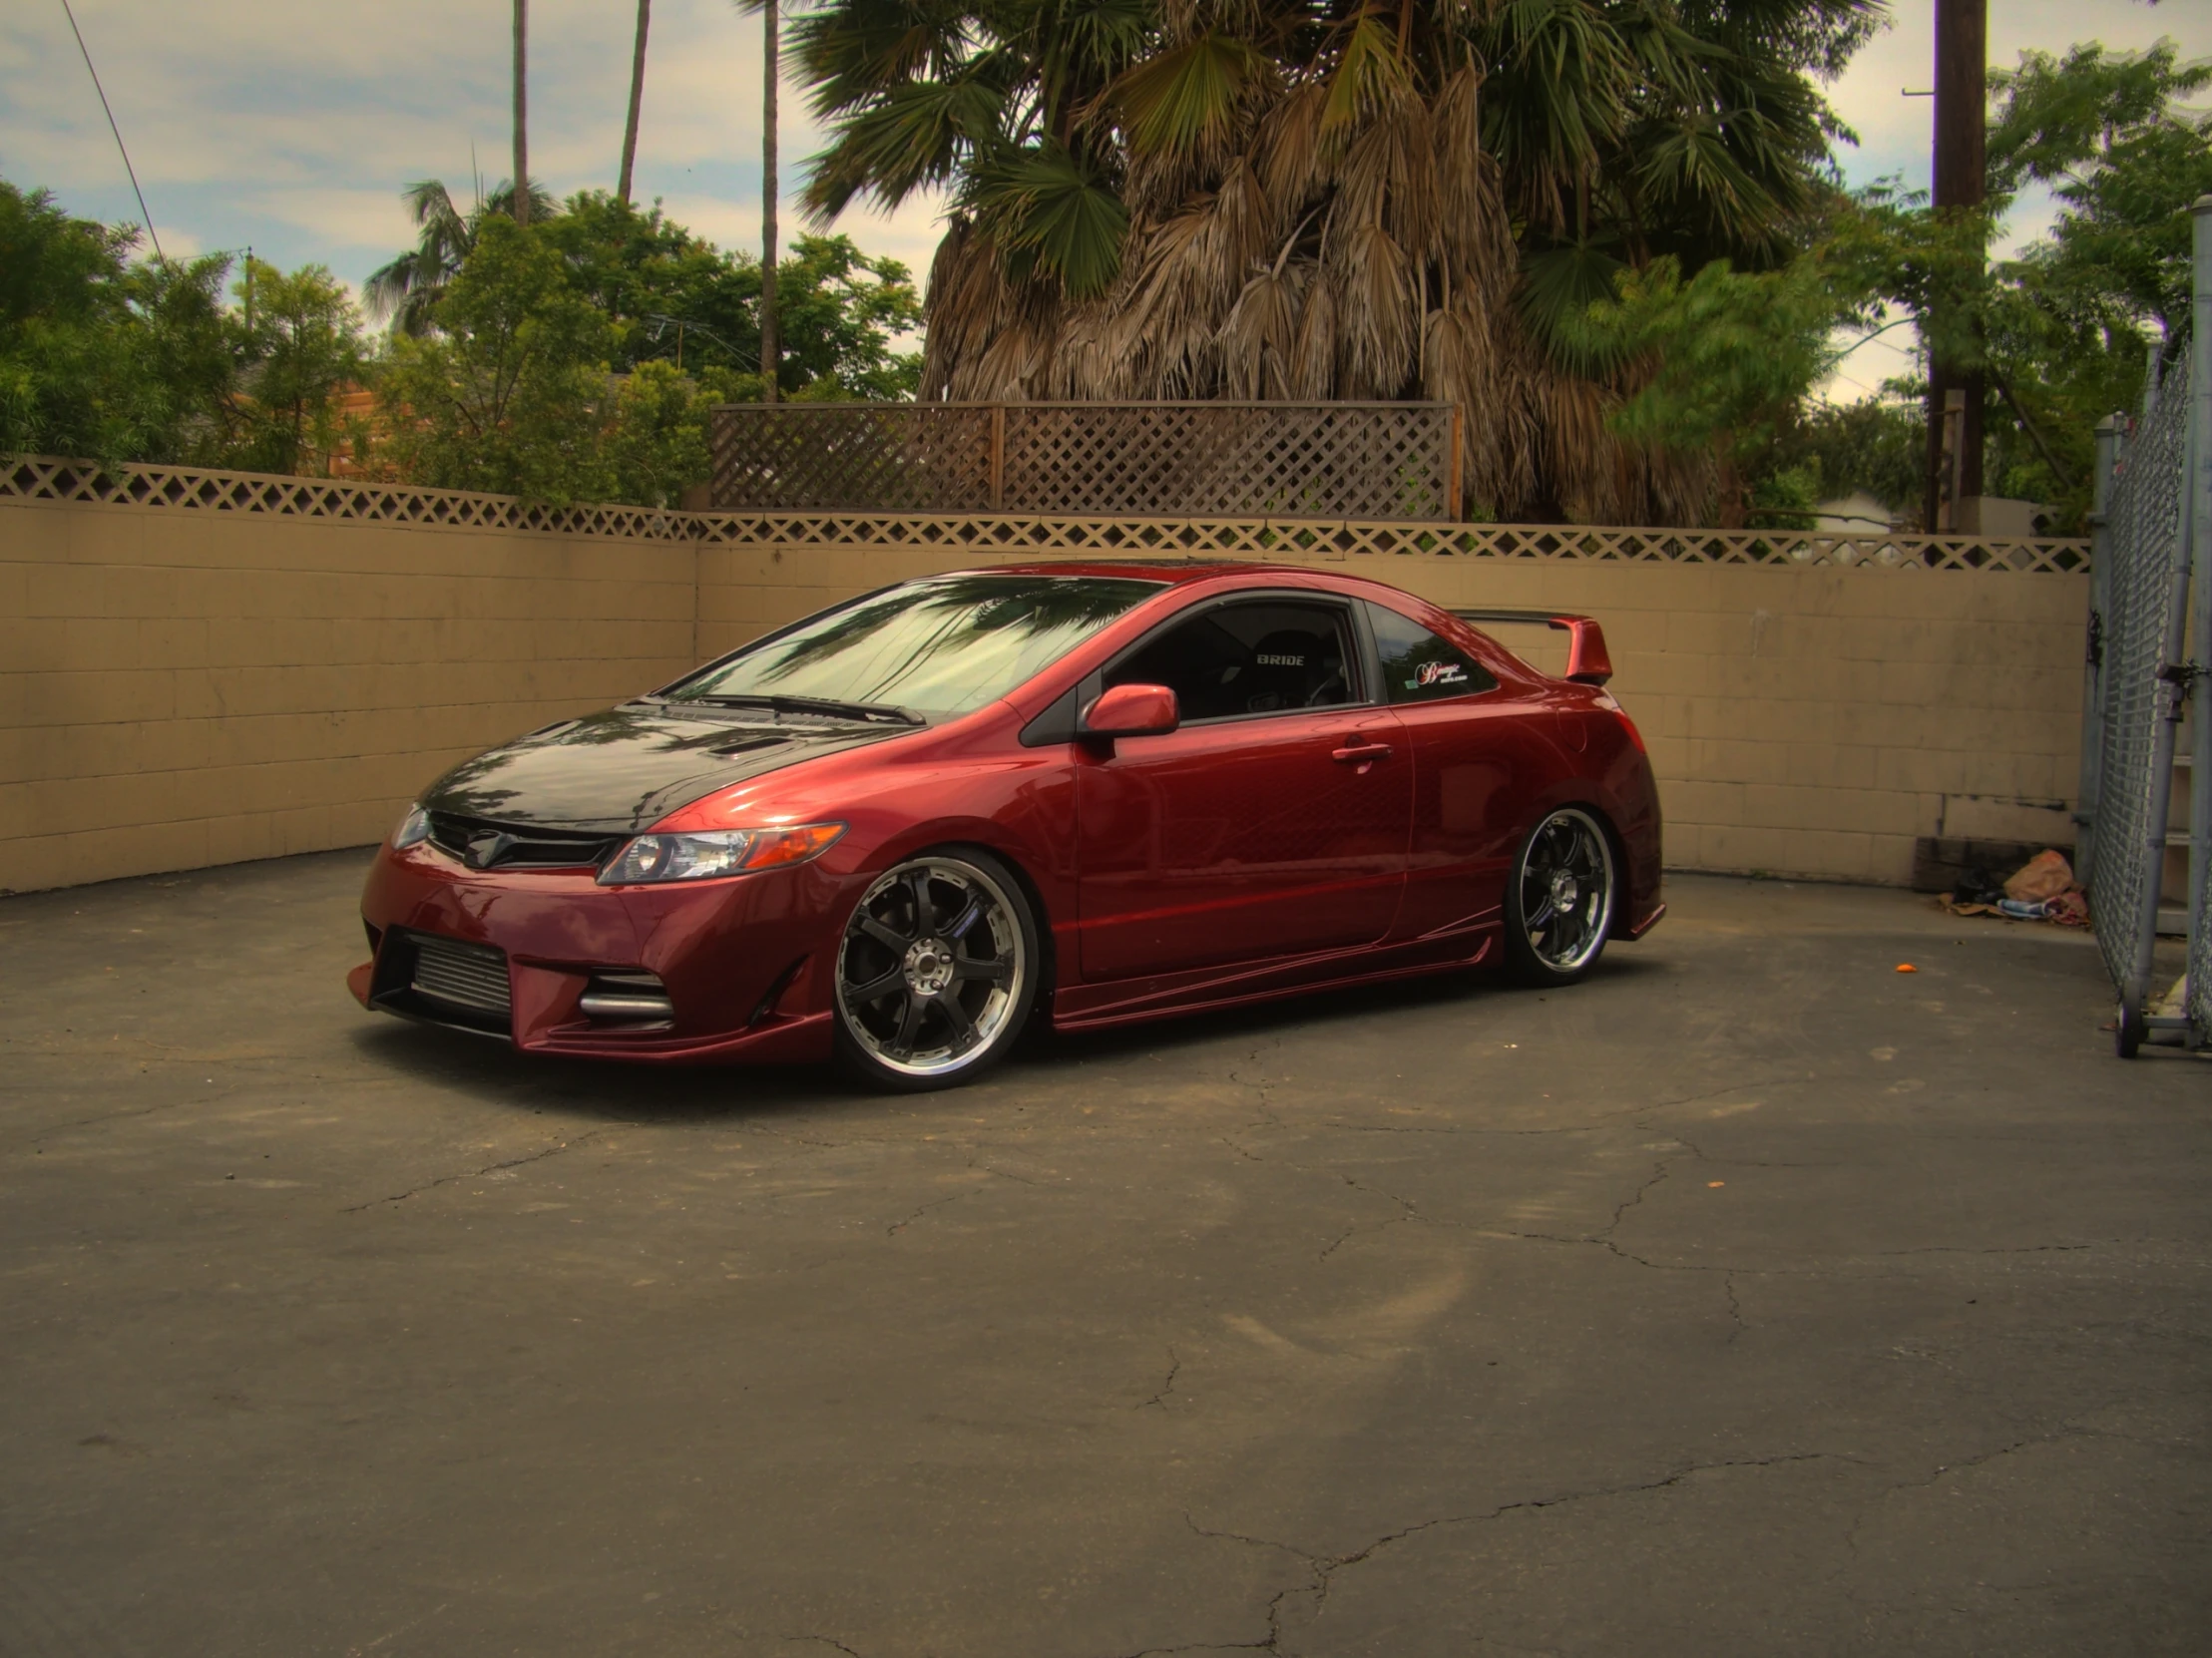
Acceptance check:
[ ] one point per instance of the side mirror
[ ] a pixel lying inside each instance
(1133, 711)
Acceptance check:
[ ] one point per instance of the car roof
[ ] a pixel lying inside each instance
(1167, 571)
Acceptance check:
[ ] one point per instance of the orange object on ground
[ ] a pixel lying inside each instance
(1907, 966)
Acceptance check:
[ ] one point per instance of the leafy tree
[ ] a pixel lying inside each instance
(1878, 445)
(100, 356)
(406, 289)
(655, 444)
(2060, 332)
(674, 294)
(1723, 359)
(304, 350)
(510, 392)
(2108, 133)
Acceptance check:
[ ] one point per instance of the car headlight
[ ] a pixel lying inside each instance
(709, 852)
(413, 829)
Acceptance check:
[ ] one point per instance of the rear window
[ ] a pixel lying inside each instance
(1420, 667)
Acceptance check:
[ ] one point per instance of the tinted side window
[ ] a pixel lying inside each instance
(1418, 666)
(1258, 657)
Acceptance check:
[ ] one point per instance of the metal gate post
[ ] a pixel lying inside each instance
(2196, 483)
(2176, 670)
(2093, 669)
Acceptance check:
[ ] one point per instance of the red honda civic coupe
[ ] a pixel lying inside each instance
(1093, 794)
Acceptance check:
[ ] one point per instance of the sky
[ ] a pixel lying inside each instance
(290, 125)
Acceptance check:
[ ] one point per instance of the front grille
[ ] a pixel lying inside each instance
(482, 844)
(471, 975)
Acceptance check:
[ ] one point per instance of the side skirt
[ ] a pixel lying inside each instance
(1096, 1007)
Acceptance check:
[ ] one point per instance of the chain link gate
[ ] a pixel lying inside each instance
(2146, 657)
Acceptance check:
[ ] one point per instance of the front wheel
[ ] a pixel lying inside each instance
(936, 972)
(1560, 899)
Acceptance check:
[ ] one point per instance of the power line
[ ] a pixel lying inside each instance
(69, 13)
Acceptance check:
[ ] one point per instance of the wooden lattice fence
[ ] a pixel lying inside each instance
(1395, 461)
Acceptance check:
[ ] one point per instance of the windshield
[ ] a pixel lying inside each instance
(943, 646)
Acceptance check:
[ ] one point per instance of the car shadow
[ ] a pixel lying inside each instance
(1308, 1009)
(613, 1090)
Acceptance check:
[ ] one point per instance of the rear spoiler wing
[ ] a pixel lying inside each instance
(1588, 662)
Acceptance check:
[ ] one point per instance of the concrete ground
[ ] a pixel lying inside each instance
(1751, 1298)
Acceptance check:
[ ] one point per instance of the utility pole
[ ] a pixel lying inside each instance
(521, 112)
(637, 98)
(771, 356)
(1954, 392)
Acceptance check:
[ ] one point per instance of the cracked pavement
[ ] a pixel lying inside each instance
(1750, 1298)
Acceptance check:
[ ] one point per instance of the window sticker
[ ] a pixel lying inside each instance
(1436, 673)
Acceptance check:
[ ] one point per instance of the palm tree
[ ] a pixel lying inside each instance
(407, 289)
(1331, 198)
(636, 99)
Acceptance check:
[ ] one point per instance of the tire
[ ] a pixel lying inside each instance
(1560, 897)
(937, 968)
(2128, 1031)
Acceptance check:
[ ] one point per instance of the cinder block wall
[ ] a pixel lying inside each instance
(181, 687)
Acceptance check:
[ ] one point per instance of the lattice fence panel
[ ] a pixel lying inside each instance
(983, 534)
(1270, 460)
(1388, 460)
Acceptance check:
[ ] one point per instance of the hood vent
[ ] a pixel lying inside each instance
(751, 744)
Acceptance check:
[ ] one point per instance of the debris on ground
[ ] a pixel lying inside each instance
(2043, 888)
(2175, 1003)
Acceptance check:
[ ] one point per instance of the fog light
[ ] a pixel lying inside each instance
(631, 998)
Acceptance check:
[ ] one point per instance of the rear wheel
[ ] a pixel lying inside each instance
(936, 972)
(1559, 898)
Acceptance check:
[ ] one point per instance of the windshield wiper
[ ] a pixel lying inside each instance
(821, 706)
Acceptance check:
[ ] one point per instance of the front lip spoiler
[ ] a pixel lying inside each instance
(396, 1003)
(1650, 921)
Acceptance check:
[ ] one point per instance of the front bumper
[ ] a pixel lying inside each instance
(746, 960)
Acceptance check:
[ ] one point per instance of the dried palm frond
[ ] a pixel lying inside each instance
(1294, 161)
(1375, 334)
(1313, 352)
(1261, 331)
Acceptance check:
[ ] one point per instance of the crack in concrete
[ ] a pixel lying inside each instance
(1596, 1125)
(1019, 1180)
(488, 1169)
(895, 1229)
(825, 1641)
(1343, 1562)
(2002, 1249)
(52, 1129)
(1174, 1368)
(1867, 1511)
(1322, 1570)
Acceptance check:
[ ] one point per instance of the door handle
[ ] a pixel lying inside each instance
(1360, 753)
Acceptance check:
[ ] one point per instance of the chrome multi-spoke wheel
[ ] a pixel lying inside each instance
(1561, 904)
(935, 971)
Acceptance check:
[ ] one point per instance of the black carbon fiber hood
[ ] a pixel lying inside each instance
(627, 767)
